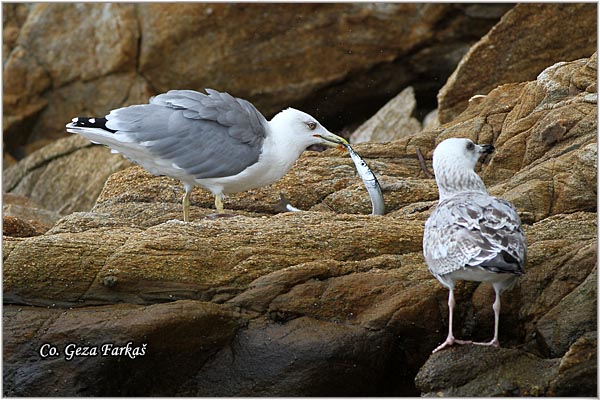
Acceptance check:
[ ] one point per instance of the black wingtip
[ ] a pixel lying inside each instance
(91, 122)
(503, 263)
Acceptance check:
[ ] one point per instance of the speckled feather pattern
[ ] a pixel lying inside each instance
(471, 235)
(468, 230)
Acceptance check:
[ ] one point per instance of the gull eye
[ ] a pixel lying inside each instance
(311, 125)
(470, 146)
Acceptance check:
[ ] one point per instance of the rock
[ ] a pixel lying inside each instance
(178, 337)
(528, 39)
(8, 160)
(544, 132)
(465, 371)
(548, 288)
(22, 98)
(554, 246)
(280, 360)
(65, 176)
(52, 51)
(113, 26)
(562, 241)
(14, 15)
(431, 121)
(566, 322)
(333, 74)
(542, 176)
(360, 290)
(17, 227)
(94, 97)
(229, 264)
(393, 121)
(559, 185)
(578, 369)
(10, 199)
(44, 219)
(355, 57)
(397, 193)
(26, 210)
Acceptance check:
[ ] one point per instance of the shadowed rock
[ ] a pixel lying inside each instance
(179, 337)
(487, 371)
(393, 121)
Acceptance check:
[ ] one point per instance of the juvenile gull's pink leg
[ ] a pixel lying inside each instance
(450, 340)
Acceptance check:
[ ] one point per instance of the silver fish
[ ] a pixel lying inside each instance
(369, 180)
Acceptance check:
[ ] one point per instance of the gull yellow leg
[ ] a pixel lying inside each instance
(219, 203)
(186, 205)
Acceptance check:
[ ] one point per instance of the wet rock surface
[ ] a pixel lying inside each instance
(330, 301)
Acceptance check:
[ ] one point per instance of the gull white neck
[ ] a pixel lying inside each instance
(458, 179)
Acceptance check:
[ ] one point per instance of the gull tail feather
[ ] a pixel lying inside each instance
(95, 130)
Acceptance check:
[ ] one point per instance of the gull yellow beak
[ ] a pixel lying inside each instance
(332, 140)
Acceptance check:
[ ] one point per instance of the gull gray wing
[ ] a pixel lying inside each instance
(474, 230)
(206, 135)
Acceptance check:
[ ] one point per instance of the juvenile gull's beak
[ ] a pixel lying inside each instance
(330, 139)
(487, 148)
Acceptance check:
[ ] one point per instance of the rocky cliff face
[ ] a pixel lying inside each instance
(330, 301)
(339, 62)
(528, 39)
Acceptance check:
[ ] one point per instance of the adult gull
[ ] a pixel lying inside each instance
(213, 140)
(471, 235)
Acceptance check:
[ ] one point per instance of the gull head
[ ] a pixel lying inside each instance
(303, 130)
(454, 161)
(459, 152)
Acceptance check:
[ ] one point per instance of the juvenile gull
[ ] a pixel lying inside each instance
(214, 140)
(471, 235)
